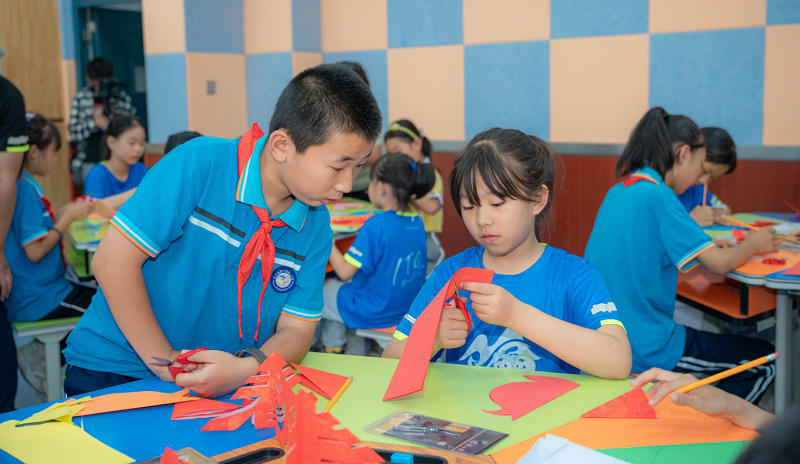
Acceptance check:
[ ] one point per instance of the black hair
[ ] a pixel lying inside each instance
(653, 141)
(356, 68)
(116, 127)
(720, 148)
(41, 133)
(325, 100)
(426, 144)
(99, 68)
(511, 164)
(778, 444)
(180, 138)
(406, 177)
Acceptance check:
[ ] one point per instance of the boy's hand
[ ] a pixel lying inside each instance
(217, 373)
(163, 371)
(718, 219)
(491, 303)
(452, 331)
(704, 215)
(78, 210)
(762, 241)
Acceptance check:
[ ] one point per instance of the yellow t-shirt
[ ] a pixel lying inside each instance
(433, 222)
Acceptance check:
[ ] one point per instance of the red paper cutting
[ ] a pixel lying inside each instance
(738, 235)
(232, 420)
(201, 409)
(793, 271)
(409, 376)
(253, 392)
(631, 405)
(763, 223)
(519, 398)
(775, 261)
(170, 457)
(324, 383)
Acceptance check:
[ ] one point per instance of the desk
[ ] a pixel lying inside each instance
(453, 392)
(84, 237)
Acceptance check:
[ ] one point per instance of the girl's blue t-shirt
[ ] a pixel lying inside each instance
(391, 255)
(559, 284)
(693, 197)
(100, 183)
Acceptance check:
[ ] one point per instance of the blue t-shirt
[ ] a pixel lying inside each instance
(192, 215)
(559, 284)
(642, 237)
(391, 256)
(39, 288)
(101, 183)
(693, 196)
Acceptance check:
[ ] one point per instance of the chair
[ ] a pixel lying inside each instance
(382, 336)
(50, 332)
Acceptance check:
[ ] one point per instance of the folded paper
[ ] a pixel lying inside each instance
(519, 398)
(133, 400)
(632, 405)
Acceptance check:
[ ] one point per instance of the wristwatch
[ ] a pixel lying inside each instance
(258, 354)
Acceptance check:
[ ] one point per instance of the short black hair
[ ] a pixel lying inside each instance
(174, 140)
(325, 100)
(720, 148)
(99, 68)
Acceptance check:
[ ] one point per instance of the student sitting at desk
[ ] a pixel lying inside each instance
(41, 291)
(545, 309)
(120, 170)
(225, 245)
(720, 160)
(387, 260)
(643, 236)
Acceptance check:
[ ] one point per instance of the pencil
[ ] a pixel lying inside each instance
(736, 221)
(728, 373)
(338, 394)
(705, 190)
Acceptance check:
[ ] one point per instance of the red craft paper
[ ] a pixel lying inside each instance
(201, 409)
(259, 380)
(763, 223)
(738, 235)
(133, 400)
(631, 405)
(774, 261)
(253, 392)
(231, 420)
(409, 376)
(170, 457)
(519, 398)
(324, 383)
(794, 270)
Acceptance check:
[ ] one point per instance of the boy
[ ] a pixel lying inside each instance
(183, 253)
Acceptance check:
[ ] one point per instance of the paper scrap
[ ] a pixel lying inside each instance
(170, 457)
(60, 442)
(556, 450)
(232, 420)
(409, 376)
(133, 400)
(519, 398)
(324, 383)
(633, 405)
(201, 409)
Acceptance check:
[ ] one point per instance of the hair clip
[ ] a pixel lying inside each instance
(414, 165)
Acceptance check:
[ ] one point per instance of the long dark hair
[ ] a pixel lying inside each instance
(720, 148)
(511, 164)
(406, 177)
(402, 128)
(652, 142)
(116, 127)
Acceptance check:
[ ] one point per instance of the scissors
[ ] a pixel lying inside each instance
(460, 305)
(183, 359)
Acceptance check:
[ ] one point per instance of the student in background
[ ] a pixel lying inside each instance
(720, 160)
(643, 236)
(387, 261)
(32, 247)
(404, 137)
(174, 140)
(545, 309)
(121, 169)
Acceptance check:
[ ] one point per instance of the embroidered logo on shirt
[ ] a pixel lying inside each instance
(603, 308)
(283, 279)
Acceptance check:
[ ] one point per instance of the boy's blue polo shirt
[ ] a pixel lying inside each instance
(390, 253)
(693, 196)
(642, 237)
(192, 215)
(39, 288)
(559, 284)
(100, 183)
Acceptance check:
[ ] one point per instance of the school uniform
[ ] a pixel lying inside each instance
(434, 222)
(642, 237)
(693, 197)
(101, 183)
(559, 284)
(200, 215)
(390, 255)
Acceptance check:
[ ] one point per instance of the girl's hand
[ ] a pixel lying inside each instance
(762, 241)
(217, 373)
(453, 329)
(704, 215)
(78, 210)
(491, 303)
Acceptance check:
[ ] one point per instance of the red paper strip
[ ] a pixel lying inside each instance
(326, 383)
(232, 420)
(631, 405)
(170, 457)
(409, 376)
(519, 398)
(253, 392)
(201, 409)
(774, 261)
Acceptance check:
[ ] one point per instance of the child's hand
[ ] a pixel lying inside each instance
(77, 210)
(453, 329)
(163, 371)
(218, 374)
(704, 215)
(491, 303)
(762, 241)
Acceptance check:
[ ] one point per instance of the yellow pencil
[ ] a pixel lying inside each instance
(338, 394)
(705, 190)
(743, 224)
(728, 373)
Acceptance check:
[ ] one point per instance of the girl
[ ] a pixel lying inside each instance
(404, 137)
(121, 170)
(545, 309)
(643, 236)
(41, 290)
(720, 160)
(387, 260)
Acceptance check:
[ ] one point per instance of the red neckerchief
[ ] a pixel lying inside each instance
(634, 178)
(261, 242)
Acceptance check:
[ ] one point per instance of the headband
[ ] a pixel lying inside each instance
(406, 130)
